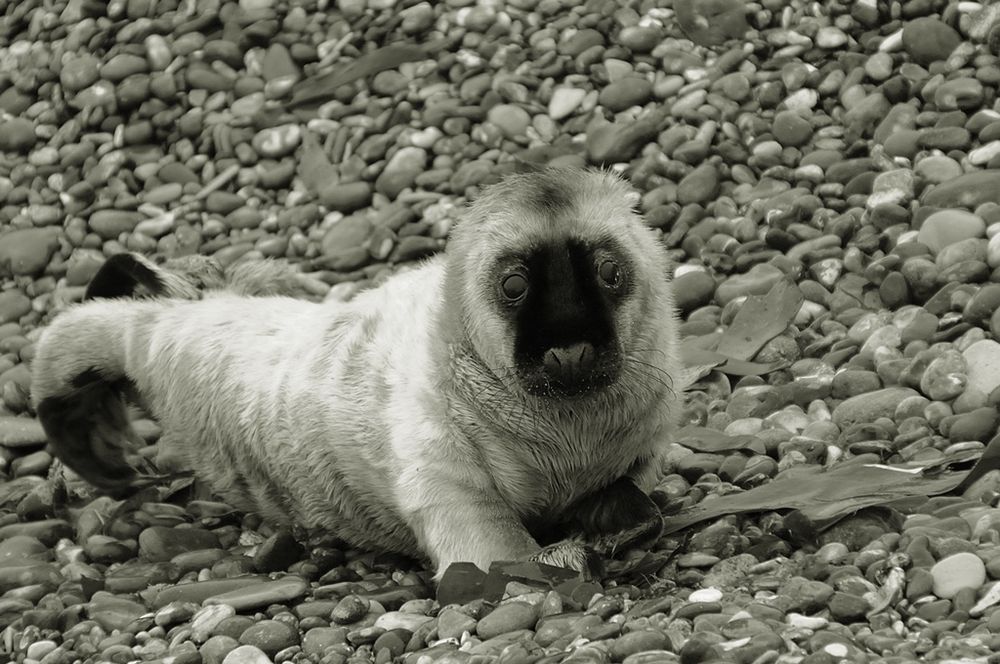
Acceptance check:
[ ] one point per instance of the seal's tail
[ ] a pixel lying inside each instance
(79, 388)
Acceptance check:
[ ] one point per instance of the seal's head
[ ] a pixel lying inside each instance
(557, 280)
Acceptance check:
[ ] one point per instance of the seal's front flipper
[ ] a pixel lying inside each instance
(616, 518)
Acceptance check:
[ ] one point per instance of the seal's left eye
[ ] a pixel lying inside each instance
(610, 273)
(514, 286)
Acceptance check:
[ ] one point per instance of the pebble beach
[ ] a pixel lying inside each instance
(836, 160)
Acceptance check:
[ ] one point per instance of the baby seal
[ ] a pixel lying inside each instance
(522, 384)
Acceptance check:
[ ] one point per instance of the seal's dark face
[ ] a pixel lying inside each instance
(558, 288)
(560, 300)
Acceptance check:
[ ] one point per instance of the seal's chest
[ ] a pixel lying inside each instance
(553, 473)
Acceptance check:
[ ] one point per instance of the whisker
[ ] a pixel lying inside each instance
(659, 374)
(652, 366)
(651, 349)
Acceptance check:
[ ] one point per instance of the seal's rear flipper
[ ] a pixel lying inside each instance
(88, 430)
(121, 276)
(133, 275)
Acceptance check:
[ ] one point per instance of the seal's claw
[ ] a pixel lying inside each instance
(574, 555)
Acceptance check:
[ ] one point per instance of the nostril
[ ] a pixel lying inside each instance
(586, 357)
(553, 361)
(570, 361)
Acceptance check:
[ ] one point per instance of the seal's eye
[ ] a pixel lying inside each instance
(514, 286)
(610, 273)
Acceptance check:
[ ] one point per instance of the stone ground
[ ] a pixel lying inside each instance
(850, 147)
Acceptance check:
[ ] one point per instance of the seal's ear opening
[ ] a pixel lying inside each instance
(122, 275)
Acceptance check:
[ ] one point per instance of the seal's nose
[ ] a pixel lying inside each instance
(570, 364)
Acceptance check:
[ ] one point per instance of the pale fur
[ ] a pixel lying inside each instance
(393, 420)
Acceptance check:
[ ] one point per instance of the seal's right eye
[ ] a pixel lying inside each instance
(610, 273)
(514, 286)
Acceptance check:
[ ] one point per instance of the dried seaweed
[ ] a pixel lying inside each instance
(826, 496)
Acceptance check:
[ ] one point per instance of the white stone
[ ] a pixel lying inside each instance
(726, 646)
(277, 141)
(892, 187)
(745, 426)
(564, 101)
(804, 99)
(990, 598)
(686, 267)
(887, 336)
(837, 650)
(426, 138)
(984, 153)
(247, 655)
(399, 620)
(937, 168)
(945, 227)
(705, 595)
(790, 419)
(983, 361)
(618, 69)
(830, 37)
(207, 619)
(806, 622)
(866, 326)
(255, 5)
(157, 226)
(158, 52)
(40, 649)
(956, 573)
(892, 43)
(833, 552)
(993, 251)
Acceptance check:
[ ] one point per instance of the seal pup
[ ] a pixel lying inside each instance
(466, 409)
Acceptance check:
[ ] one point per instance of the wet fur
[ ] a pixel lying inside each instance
(393, 420)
